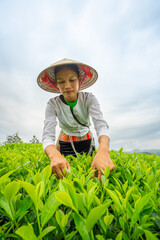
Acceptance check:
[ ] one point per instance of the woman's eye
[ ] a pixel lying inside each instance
(60, 82)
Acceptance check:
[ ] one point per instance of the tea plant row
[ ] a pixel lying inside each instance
(34, 204)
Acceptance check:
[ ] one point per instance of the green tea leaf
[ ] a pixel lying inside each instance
(100, 237)
(119, 236)
(107, 172)
(95, 214)
(89, 176)
(47, 230)
(1, 170)
(157, 186)
(90, 196)
(78, 184)
(115, 199)
(139, 206)
(122, 223)
(49, 209)
(10, 190)
(65, 199)
(65, 219)
(80, 225)
(31, 190)
(59, 215)
(70, 235)
(142, 202)
(118, 183)
(128, 195)
(108, 219)
(62, 188)
(39, 189)
(124, 186)
(156, 216)
(81, 205)
(4, 204)
(37, 178)
(72, 194)
(46, 173)
(11, 236)
(96, 200)
(26, 203)
(124, 236)
(129, 210)
(26, 233)
(5, 176)
(148, 171)
(150, 235)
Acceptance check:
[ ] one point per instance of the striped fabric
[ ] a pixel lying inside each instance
(66, 138)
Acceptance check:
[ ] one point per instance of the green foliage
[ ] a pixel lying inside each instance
(13, 138)
(34, 204)
(34, 139)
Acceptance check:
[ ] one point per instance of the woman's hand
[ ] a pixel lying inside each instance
(101, 161)
(59, 165)
(102, 158)
(58, 162)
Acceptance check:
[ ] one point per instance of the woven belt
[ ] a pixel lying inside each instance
(67, 138)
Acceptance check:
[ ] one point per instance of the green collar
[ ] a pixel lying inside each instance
(72, 104)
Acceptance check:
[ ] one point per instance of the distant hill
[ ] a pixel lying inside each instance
(147, 151)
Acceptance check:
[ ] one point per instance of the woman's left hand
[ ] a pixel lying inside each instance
(102, 158)
(101, 161)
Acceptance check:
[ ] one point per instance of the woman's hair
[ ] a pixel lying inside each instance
(72, 67)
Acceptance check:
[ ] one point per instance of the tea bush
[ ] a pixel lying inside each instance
(36, 205)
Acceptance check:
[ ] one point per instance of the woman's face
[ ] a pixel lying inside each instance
(68, 84)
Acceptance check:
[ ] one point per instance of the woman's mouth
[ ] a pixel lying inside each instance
(68, 92)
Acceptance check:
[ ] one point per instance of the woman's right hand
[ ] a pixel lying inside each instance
(59, 166)
(58, 163)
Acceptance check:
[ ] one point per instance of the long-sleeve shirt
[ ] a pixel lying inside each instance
(87, 105)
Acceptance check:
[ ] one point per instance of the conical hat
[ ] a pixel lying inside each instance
(87, 75)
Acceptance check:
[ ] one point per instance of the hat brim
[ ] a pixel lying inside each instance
(87, 76)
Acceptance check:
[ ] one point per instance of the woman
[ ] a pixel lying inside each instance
(73, 110)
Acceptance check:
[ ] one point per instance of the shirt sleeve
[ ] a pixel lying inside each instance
(50, 122)
(100, 125)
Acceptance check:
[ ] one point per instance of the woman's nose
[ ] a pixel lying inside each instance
(67, 84)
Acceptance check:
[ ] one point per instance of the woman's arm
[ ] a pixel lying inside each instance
(58, 162)
(102, 158)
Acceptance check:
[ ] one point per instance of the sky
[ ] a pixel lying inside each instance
(120, 39)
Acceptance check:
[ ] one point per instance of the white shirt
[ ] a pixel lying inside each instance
(87, 105)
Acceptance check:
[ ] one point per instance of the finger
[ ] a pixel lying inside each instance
(52, 169)
(93, 175)
(63, 166)
(58, 172)
(68, 165)
(99, 174)
(93, 168)
(64, 171)
(60, 175)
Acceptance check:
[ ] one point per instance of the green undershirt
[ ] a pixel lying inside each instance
(72, 104)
